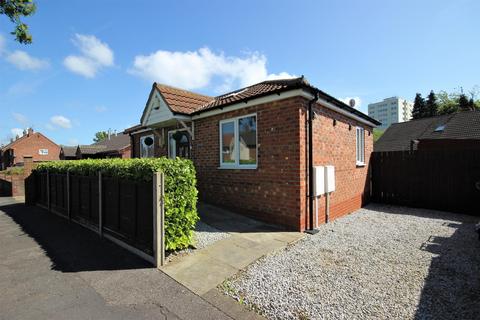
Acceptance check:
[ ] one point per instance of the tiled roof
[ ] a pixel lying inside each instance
(461, 125)
(69, 151)
(91, 149)
(254, 91)
(182, 101)
(115, 142)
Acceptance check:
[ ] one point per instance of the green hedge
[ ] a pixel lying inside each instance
(180, 188)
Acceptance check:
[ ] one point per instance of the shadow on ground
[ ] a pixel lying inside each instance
(70, 247)
(452, 287)
(227, 221)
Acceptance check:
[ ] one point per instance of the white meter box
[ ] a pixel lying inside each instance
(329, 179)
(319, 180)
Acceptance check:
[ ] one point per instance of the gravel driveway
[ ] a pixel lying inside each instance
(383, 262)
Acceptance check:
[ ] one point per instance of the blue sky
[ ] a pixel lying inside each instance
(92, 63)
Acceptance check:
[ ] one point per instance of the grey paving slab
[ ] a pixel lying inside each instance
(203, 270)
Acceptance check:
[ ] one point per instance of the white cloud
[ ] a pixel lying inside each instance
(24, 61)
(20, 118)
(95, 55)
(16, 132)
(60, 122)
(358, 101)
(81, 65)
(196, 69)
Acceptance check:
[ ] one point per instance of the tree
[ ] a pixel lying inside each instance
(463, 103)
(418, 111)
(100, 136)
(377, 133)
(447, 103)
(14, 10)
(431, 106)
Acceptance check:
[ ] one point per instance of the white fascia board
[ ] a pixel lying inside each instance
(277, 97)
(333, 107)
(182, 117)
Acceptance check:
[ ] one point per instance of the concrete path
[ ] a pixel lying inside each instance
(53, 269)
(205, 269)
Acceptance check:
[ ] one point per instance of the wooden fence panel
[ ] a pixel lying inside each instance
(111, 218)
(144, 209)
(58, 193)
(442, 180)
(127, 207)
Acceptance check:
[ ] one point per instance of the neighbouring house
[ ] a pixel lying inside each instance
(114, 146)
(458, 131)
(33, 144)
(254, 148)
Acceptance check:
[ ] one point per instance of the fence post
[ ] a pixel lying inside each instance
(100, 196)
(158, 219)
(48, 190)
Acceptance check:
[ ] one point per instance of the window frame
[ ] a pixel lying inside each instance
(360, 147)
(236, 148)
(142, 138)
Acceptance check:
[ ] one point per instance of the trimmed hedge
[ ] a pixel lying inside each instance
(180, 188)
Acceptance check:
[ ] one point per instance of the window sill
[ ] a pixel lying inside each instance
(237, 167)
(360, 164)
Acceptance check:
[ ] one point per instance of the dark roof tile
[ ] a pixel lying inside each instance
(461, 125)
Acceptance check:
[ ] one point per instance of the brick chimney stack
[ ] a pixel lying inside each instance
(29, 132)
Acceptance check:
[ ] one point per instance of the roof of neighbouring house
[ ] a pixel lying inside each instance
(69, 151)
(115, 142)
(91, 149)
(24, 137)
(460, 125)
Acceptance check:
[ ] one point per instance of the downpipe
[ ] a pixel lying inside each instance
(311, 212)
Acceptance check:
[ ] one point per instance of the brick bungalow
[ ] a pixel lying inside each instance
(251, 147)
(114, 146)
(33, 144)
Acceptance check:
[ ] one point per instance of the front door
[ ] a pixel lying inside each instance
(178, 144)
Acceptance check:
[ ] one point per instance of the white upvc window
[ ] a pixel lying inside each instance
(147, 146)
(238, 143)
(360, 146)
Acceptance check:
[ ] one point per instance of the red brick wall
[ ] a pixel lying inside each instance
(12, 185)
(336, 145)
(30, 146)
(272, 191)
(126, 153)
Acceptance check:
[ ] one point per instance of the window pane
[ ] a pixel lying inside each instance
(363, 145)
(171, 146)
(247, 130)
(358, 146)
(228, 142)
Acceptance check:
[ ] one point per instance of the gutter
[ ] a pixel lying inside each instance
(311, 212)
